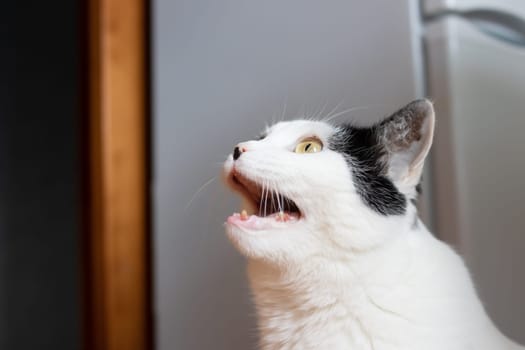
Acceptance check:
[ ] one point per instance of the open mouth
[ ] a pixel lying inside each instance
(269, 207)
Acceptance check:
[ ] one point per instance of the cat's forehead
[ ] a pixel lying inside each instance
(299, 128)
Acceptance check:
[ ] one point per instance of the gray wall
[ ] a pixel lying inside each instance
(39, 187)
(222, 69)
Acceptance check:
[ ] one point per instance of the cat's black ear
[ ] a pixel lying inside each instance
(406, 137)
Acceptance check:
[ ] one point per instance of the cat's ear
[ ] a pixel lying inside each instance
(407, 136)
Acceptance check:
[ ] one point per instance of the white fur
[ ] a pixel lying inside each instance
(345, 277)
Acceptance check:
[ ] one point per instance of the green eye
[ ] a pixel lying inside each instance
(309, 146)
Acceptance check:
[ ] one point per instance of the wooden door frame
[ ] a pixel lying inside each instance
(117, 285)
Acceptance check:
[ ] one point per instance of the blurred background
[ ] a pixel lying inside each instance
(218, 72)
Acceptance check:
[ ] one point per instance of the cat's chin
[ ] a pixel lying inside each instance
(268, 237)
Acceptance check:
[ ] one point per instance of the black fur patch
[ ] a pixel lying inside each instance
(364, 154)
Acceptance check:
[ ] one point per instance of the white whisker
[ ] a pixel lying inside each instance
(266, 198)
(280, 208)
(261, 202)
(198, 191)
(283, 115)
(327, 119)
(274, 118)
(334, 110)
(320, 112)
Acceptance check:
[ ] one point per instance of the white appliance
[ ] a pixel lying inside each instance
(475, 64)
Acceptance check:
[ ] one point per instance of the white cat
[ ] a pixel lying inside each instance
(338, 258)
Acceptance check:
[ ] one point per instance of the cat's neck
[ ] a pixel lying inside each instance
(343, 264)
(334, 268)
(334, 287)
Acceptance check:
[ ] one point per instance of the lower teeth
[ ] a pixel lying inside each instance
(244, 215)
(282, 216)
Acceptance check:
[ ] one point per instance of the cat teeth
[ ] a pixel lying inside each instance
(244, 215)
(282, 216)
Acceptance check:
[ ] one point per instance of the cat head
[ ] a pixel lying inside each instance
(310, 188)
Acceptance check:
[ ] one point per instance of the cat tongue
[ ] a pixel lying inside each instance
(257, 222)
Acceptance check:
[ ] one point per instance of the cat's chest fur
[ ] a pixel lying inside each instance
(421, 299)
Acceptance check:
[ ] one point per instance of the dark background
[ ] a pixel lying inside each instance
(39, 175)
